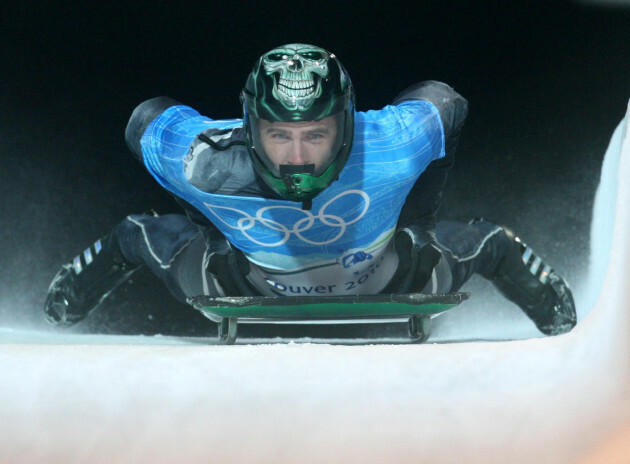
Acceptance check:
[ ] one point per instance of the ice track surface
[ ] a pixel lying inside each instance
(162, 399)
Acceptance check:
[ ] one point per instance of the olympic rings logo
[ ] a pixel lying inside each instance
(246, 222)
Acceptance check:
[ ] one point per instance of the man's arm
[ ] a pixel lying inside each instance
(424, 200)
(229, 266)
(140, 119)
(415, 239)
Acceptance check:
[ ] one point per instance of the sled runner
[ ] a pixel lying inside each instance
(414, 308)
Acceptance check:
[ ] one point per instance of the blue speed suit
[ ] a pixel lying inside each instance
(239, 237)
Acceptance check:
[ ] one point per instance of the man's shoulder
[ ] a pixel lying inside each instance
(216, 146)
(221, 136)
(410, 132)
(218, 161)
(397, 121)
(419, 104)
(392, 114)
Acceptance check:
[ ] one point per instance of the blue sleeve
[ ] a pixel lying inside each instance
(411, 131)
(167, 139)
(422, 119)
(453, 108)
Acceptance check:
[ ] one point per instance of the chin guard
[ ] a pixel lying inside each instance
(296, 177)
(298, 180)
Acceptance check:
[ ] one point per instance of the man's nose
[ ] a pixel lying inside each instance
(297, 155)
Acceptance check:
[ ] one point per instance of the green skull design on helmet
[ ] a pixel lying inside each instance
(297, 71)
(298, 83)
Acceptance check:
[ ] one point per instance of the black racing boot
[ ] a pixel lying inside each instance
(523, 278)
(79, 287)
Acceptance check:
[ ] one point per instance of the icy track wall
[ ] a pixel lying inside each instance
(544, 400)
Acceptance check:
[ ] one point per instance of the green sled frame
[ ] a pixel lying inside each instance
(414, 308)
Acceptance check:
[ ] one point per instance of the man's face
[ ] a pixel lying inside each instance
(304, 142)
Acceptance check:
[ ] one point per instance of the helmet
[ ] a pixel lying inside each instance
(298, 83)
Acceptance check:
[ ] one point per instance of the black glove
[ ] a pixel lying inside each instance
(418, 254)
(229, 267)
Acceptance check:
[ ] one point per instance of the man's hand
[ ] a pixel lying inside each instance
(229, 267)
(417, 258)
(427, 258)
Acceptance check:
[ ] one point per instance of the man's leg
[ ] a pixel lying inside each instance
(498, 255)
(169, 245)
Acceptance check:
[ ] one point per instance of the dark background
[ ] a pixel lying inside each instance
(547, 82)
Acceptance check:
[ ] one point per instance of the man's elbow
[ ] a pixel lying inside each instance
(140, 119)
(453, 108)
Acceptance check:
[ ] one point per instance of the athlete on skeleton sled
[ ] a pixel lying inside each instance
(306, 195)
